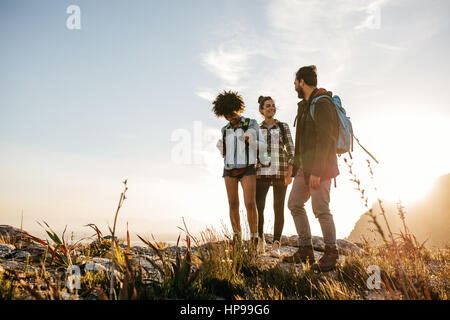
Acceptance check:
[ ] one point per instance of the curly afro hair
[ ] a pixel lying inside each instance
(228, 103)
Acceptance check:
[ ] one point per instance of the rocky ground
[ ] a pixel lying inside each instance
(23, 256)
(14, 256)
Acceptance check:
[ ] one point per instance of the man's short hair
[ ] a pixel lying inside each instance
(308, 74)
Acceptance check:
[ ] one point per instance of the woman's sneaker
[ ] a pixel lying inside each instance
(276, 249)
(261, 245)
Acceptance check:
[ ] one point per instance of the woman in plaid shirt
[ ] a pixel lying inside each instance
(280, 149)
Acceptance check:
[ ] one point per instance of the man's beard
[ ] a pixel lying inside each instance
(300, 93)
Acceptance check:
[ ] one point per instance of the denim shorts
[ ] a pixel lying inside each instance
(249, 171)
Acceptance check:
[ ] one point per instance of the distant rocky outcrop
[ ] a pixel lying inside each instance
(427, 219)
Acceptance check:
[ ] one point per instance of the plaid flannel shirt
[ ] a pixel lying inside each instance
(281, 157)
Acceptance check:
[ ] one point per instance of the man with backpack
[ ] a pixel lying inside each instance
(315, 165)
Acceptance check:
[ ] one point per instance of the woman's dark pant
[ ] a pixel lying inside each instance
(279, 193)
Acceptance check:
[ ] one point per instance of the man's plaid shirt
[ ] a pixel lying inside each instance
(282, 156)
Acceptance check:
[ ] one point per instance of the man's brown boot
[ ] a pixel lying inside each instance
(302, 255)
(328, 260)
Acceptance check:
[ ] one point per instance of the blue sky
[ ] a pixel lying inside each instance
(81, 110)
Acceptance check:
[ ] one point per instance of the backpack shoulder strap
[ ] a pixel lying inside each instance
(312, 107)
(296, 116)
(224, 141)
(282, 131)
(284, 137)
(246, 124)
(247, 146)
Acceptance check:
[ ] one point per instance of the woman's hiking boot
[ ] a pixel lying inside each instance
(304, 254)
(328, 261)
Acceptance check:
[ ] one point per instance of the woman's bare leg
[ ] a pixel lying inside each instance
(249, 186)
(231, 185)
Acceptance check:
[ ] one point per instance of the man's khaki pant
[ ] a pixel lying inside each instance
(320, 199)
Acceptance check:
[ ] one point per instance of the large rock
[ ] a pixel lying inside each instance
(93, 266)
(14, 235)
(22, 255)
(17, 266)
(34, 250)
(97, 264)
(6, 249)
(148, 268)
(292, 241)
(347, 247)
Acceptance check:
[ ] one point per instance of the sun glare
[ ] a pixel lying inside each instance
(405, 187)
(411, 159)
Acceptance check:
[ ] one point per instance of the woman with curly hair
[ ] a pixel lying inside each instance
(240, 143)
(278, 176)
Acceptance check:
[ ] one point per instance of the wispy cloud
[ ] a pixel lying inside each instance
(206, 94)
(372, 19)
(339, 37)
(299, 32)
(232, 59)
(229, 65)
(388, 46)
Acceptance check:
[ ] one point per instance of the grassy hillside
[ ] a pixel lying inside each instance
(214, 268)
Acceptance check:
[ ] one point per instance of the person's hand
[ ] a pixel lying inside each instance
(219, 145)
(288, 175)
(287, 180)
(247, 137)
(314, 182)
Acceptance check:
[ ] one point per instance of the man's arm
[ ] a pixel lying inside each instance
(297, 145)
